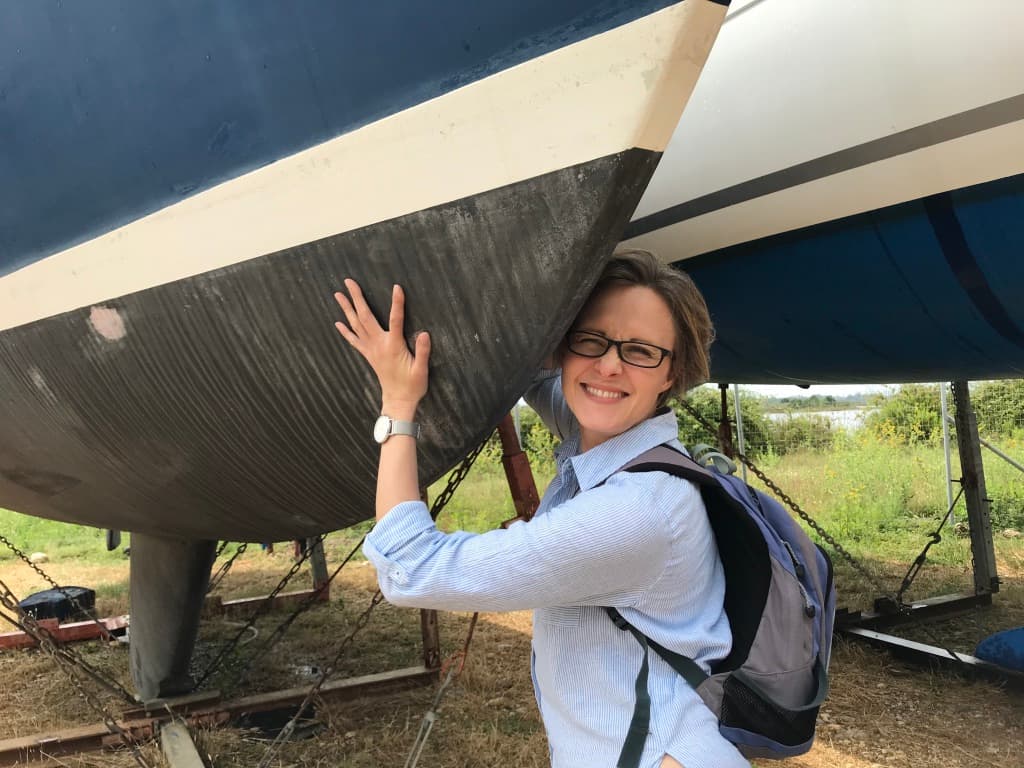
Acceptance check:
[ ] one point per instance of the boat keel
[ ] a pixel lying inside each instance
(168, 584)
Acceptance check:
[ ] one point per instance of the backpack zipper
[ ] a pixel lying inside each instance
(797, 565)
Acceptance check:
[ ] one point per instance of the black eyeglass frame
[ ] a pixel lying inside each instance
(617, 343)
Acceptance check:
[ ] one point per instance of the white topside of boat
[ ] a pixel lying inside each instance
(792, 82)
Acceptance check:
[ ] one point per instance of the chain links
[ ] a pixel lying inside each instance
(289, 727)
(894, 600)
(72, 666)
(104, 632)
(72, 657)
(789, 502)
(454, 480)
(218, 577)
(285, 624)
(264, 606)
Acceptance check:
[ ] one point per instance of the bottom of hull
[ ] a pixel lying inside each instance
(226, 406)
(927, 290)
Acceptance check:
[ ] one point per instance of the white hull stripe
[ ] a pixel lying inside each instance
(920, 137)
(621, 89)
(973, 159)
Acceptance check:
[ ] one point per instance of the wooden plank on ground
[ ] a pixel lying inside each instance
(24, 749)
(178, 748)
(66, 633)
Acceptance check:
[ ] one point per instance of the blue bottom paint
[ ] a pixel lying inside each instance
(922, 291)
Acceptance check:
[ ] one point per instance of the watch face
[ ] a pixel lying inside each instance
(382, 429)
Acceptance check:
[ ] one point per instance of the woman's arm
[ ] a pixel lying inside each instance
(403, 383)
(604, 547)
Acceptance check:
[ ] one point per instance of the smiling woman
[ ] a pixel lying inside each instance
(639, 542)
(607, 392)
(640, 301)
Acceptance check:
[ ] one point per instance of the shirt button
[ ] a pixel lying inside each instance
(398, 576)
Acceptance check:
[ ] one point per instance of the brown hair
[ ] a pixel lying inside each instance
(691, 358)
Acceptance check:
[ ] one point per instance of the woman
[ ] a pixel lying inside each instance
(640, 542)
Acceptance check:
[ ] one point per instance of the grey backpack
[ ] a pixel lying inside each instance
(780, 600)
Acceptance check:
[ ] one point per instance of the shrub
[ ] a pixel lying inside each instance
(999, 407)
(811, 432)
(707, 402)
(910, 416)
(1006, 509)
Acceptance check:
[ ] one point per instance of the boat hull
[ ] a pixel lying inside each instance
(854, 216)
(179, 374)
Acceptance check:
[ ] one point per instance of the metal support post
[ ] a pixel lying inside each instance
(945, 450)
(318, 564)
(724, 427)
(431, 639)
(741, 443)
(517, 471)
(986, 580)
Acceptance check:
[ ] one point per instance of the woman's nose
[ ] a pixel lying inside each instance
(609, 362)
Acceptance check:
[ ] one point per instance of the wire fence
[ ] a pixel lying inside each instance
(906, 431)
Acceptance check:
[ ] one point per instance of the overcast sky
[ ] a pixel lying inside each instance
(789, 390)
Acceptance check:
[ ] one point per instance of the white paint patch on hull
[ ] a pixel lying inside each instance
(622, 89)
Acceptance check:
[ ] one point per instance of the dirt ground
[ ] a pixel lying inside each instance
(881, 711)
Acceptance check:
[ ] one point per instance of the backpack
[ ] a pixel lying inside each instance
(780, 600)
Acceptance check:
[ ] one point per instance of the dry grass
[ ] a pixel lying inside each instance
(881, 712)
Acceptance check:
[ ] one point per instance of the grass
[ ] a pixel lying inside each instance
(881, 501)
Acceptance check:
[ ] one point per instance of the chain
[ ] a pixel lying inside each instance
(451, 669)
(285, 625)
(104, 632)
(71, 656)
(788, 501)
(265, 605)
(898, 604)
(289, 727)
(454, 480)
(69, 665)
(218, 577)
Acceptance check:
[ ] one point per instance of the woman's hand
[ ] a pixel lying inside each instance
(402, 374)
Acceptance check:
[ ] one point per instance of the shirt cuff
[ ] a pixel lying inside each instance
(394, 538)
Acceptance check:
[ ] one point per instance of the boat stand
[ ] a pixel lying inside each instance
(207, 709)
(866, 625)
(320, 591)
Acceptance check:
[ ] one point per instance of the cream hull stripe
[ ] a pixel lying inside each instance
(621, 89)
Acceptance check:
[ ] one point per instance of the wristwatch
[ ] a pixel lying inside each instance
(386, 427)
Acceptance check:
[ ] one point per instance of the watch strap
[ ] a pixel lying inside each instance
(399, 427)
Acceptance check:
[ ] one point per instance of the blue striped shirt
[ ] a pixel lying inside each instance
(639, 542)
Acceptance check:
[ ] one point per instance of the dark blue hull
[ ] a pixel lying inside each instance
(928, 290)
(112, 109)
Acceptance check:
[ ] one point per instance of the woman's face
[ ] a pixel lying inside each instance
(606, 395)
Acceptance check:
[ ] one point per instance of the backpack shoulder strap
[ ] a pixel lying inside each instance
(664, 458)
(661, 458)
(684, 665)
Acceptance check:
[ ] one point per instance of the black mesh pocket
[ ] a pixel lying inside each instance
(744, 707)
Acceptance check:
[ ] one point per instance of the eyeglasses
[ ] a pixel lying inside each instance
(638, 353)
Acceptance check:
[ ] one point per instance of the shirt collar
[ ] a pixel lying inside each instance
(595, 466)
